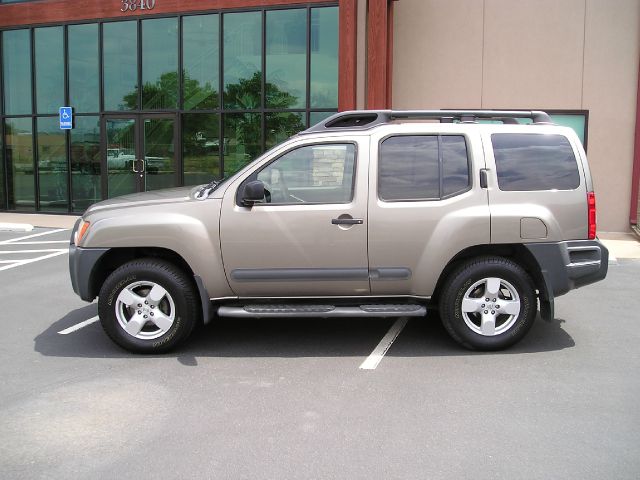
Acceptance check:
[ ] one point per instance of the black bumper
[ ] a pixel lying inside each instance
(81, 266)
(568, 265)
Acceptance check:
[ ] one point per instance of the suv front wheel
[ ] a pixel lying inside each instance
(488, 304)
(148, 306)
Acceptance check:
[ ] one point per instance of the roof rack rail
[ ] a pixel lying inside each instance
(366, 119)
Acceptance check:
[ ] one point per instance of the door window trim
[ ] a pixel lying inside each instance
(254, 176)
(439, 135)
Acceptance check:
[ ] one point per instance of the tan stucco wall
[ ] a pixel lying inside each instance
(530, 54)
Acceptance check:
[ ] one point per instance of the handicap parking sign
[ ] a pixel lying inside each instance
(66, 118)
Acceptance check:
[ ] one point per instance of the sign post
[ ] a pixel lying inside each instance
(66, 118)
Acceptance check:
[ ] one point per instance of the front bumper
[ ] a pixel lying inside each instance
(81, 266)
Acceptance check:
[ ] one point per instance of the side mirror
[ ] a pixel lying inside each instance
(253, 193)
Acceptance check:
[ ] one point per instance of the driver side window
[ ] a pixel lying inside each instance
(321, 173)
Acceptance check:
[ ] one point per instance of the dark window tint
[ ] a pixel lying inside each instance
(408, 168)
(455, 165)
(534, 162)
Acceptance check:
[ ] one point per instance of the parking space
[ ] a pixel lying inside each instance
(290, 399)
(18, 249)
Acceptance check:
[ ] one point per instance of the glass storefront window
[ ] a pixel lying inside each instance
(280, 126)
(49, 66)
(317, 117)
(19, 160)
(324, 57)
(201, 61)
(242, 60)
(160, 64)
(120, 65)
(249, 80)
(85, 163)
(84, 68)
(201, 147)
(241, 140)
(52, 165)
(286, 62)
(16, 68)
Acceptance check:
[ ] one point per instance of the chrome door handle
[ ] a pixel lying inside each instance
(142, 163)
(133, 166)
(347, 221)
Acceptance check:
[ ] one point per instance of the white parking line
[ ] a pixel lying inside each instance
(47, 250)
(80, 325)
(12, 240)
(43, 242)
(374, 359)
(19, 263)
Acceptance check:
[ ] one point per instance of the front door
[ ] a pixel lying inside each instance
(308, 237)
(140, 153)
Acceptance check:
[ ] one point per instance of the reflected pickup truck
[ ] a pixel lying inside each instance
(475, 214)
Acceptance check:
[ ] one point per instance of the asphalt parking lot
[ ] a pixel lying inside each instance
(279, 399)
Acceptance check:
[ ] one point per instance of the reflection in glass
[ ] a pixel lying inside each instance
(242, 60)
(52, 165)
(159, 64)
(121, 156)
(281, 126)
(85, 163)
(200, 61)
(120, 52)
(241, 140)
(286, 62)
(84, 68)
(317, 117)
(408, 168)
(455, 164)
(159, 153)
(324, 57)
(201, 147)
(16, 50)
(49, 63)
(19, 157)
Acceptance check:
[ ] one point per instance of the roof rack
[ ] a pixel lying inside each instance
(366, 119)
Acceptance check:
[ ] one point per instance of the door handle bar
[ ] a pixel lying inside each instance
(347, 221)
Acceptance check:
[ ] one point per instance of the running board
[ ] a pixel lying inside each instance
(322, 311)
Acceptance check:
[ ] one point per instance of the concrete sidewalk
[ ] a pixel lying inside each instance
(620, 244)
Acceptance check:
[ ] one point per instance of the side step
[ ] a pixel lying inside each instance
(322, 311)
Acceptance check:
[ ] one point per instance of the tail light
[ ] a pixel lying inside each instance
(591, 205)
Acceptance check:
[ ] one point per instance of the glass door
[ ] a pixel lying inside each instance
(140, 152)
(121, 156)
(159, 152)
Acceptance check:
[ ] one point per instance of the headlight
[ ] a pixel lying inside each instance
(81, 231)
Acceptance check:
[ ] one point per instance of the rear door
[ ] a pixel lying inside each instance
(426, 205)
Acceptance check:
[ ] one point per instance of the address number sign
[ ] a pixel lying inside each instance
(133, 5)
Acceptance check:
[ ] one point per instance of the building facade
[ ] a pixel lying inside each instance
(177, 92)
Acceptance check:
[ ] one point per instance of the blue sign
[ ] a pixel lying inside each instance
(66, 118)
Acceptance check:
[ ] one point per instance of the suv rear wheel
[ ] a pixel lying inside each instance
(148, 306)
(488, 304)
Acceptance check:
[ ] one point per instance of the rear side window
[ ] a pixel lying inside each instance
(530, 161)
(422, 167)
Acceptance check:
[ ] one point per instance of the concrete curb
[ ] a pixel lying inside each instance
(15, 227)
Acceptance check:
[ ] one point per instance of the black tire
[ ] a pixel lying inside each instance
(178, 306)
(476, 277)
